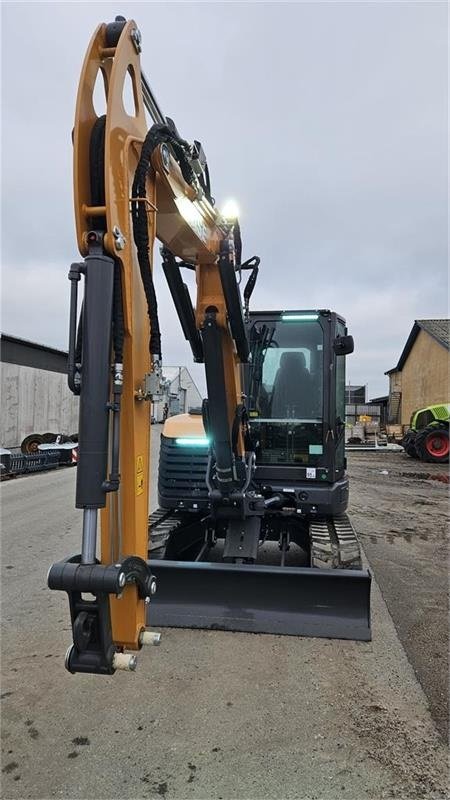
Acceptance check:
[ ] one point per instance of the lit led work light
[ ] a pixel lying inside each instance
(298, 317)
(192, 442)
(230, 210)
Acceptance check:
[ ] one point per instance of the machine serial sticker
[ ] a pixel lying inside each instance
(315, 450)
(139, 475)
(310, 472)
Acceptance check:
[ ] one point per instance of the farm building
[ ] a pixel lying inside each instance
(421, 377)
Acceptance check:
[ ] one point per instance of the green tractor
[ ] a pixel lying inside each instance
(427, 436)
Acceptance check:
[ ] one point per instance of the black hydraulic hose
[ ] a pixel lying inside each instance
(118, 322)
(97, 186)
(97, 170)
(98, 195)
(118, 331)
(205, 183)
(233, 300)
(208, 185)
(79, 343)
(158, 134)
(112, 484)
(237, 242)
(141, 239)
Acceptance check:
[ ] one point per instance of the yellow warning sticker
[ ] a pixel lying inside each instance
(139, 475)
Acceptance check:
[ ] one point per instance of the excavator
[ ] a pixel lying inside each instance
(251, 532)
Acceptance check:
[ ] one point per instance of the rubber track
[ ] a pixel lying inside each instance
(161, 524)
(334, 544)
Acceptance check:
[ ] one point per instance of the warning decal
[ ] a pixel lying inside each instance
(139, 475)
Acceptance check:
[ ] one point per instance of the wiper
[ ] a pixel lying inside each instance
(260, 343)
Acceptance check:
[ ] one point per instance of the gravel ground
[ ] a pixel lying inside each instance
(208, 714)
(402, 521)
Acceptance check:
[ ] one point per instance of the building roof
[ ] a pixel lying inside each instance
(171, 373)
(6, 337)
(438, 329)
(24, 353)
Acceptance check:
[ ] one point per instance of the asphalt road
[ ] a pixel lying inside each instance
(207, 714)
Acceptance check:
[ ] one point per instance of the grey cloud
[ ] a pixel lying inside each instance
(328, 123)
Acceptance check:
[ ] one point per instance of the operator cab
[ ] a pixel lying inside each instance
(295, 399)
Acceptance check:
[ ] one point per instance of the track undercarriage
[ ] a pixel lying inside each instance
(294, 576)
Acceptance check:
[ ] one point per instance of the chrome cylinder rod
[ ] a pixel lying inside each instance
(89, 541)
(150, 101)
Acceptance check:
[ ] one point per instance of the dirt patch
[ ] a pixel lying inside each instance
(401, 516)
(81, 740)
(424, 476)
(403, 750)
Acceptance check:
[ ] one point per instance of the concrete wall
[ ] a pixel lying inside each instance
(34, 401)
(425, 376)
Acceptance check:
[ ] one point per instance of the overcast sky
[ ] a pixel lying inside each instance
(326, 121)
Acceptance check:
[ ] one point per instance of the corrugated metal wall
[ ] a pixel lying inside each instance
(34, 401)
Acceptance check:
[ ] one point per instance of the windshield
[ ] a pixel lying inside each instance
(286, 371)
(285, 392)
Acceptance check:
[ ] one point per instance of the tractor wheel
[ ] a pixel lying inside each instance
(409, 443)
(432, 444)
(31, 443)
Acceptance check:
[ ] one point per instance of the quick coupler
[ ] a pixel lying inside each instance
(93, 649)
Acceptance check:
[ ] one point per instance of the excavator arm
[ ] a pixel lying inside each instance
(132, 186)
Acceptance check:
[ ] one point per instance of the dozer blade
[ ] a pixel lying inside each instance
(301, 601)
